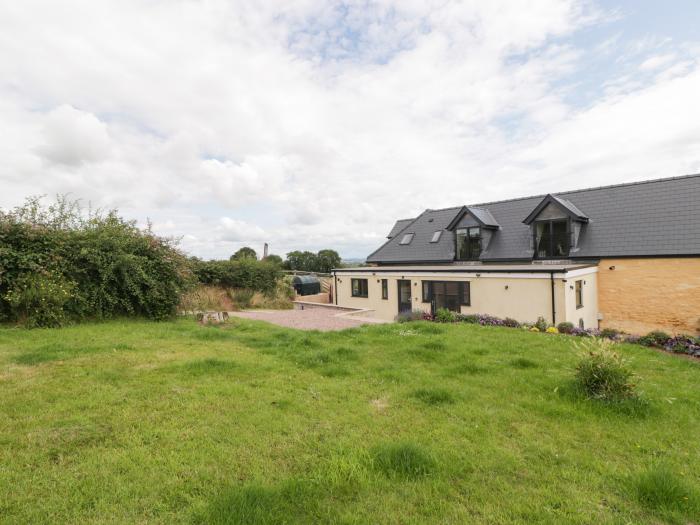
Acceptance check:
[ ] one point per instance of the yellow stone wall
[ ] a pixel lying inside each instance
(640, 295)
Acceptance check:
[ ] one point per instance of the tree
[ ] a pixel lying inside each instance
(303, 261)
(326, 260)
(274, 259)
(244, 253)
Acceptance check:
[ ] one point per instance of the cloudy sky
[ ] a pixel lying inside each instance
(313, 124)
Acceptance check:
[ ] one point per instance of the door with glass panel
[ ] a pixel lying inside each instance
(404, 296)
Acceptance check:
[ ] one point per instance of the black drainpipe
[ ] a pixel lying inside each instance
(554, 311)
(335, 288)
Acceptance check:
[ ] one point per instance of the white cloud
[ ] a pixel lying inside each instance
(314, 124)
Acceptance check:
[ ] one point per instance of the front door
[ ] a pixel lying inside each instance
(404, 296)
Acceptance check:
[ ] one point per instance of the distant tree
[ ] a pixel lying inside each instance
(274, 259)
(244, 253)
(326, 260)
(304, 261)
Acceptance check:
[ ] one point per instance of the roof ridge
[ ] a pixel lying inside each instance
(592, 188)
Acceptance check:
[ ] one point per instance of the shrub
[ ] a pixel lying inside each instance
(602, 374)
(541, 324)
(413, 315)
(40, 299)
(259, 276)
(552, 330)
(534, 329)
(656, 338)
(511, 323)
(565, 327)
(443, 315)
(471, 318)
(683, 344)
(59, 264)
(610, 333)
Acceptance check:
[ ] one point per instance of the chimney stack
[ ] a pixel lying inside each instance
(265, 251)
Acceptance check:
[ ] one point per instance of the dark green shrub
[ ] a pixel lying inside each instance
(443, 315)
(610, 333)
(511, 323)
(565, 327)
(656, 338)
(259, 276)
(470, 318)
(60, 264)
(602, 374)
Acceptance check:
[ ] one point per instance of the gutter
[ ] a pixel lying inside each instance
(554, 310)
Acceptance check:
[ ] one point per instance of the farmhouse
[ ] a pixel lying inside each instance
(625, 256)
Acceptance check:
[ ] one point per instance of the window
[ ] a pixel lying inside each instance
(436, 236)
(552, 238)
(385, 288)
(447, 294)
(468, 244)
(579, 294)
(406, 239)
(359, 287)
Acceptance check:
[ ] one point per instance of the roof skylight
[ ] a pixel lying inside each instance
(406, 239)
(436, 236)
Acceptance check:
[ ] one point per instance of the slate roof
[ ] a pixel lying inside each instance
(650, 218)
(484, 216)
(398, 227)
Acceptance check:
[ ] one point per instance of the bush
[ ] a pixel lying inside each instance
(683, 344)
(443, 315)
(541, 324)
(60, 264)
(552, 330)
(471, 318)
(610, 333)
(40, 299)
(602, 374)
(511, 323)
(414, 315)
(259, 276)
(565, 327)
(656, 338)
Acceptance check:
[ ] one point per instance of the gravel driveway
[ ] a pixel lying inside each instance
(310, 319)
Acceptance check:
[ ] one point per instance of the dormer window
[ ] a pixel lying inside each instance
(468, 243)
(552, 238)
(406, 239)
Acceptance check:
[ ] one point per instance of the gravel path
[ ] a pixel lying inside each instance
(311, 319)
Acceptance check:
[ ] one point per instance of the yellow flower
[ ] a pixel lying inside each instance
(534, 329)
(552, 330)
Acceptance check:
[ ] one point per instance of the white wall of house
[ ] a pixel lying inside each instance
(522, 296)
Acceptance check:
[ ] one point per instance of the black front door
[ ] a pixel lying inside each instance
(404, 296)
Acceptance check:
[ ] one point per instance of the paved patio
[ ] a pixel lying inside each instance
(308, 319)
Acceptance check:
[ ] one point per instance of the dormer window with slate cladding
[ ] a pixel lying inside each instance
(555, 226)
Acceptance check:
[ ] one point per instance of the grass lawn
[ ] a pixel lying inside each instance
(130, 422)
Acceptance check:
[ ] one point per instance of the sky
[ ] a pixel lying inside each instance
(312, 125)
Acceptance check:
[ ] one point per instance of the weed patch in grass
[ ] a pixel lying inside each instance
(335, 371)
(202, 367)
(294, 502)
(660, 489)
(57, 352)
(434, 344)
(405, 461)
(434, 396)
(467, 368)
(524, 363)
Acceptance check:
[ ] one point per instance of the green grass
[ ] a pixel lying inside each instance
(137, 422)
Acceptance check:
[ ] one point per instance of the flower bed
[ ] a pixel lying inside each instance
(679, 344)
